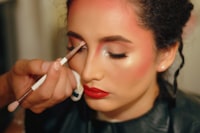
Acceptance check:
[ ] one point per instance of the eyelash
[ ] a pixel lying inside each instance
(112, 55)
(117, 56)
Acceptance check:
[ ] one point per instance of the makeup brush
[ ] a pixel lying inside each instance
(12, 106)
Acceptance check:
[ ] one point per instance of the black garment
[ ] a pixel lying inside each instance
(70, 117)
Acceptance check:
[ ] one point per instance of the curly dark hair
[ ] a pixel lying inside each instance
(166, 18)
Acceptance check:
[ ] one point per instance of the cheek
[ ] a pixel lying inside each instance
(144, 63)
(136, 67)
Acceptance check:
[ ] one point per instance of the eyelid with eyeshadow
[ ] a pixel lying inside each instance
(117, 55)
(106, 52)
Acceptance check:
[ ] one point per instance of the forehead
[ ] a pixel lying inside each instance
(101, 11)
(100, 3)
(100, 6)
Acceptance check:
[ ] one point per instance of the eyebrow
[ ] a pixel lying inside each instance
(114, 38)
(111, 38)
(73, 34)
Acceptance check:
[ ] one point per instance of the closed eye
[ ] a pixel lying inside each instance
(117, 56)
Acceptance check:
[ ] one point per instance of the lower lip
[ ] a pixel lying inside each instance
(94, 92)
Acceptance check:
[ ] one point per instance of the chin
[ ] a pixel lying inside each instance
(99, 104)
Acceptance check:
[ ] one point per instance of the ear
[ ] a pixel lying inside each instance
(166, 57)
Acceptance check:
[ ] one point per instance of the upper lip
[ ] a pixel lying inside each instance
(94, 89)
(94, 92)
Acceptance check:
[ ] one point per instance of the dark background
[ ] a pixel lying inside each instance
(7, 49)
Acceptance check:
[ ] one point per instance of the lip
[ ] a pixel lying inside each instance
(94, 92)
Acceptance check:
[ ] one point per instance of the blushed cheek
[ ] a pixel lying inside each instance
(134, 68)
(144, 66)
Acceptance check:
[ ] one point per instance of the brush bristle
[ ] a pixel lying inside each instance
(13, 106)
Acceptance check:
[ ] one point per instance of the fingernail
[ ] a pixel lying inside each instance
(57, 65)
(45, 66)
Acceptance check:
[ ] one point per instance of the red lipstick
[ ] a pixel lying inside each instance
(94, 92)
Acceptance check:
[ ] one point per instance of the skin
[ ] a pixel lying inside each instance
(112, 27)
(57, 87)
(119, 58)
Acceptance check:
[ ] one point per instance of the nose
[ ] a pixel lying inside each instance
(93, 69)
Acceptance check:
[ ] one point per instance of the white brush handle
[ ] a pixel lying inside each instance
(42, 79)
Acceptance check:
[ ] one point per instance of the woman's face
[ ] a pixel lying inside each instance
(118, 64)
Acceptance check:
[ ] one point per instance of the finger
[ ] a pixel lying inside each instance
(45, 91)
(64, 87)
(63, 90)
